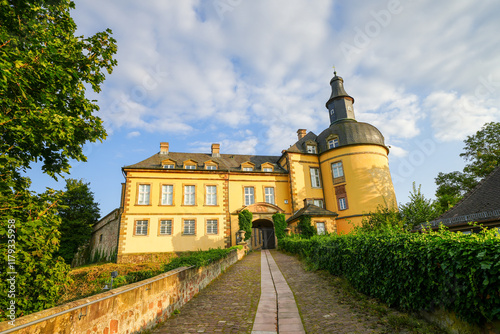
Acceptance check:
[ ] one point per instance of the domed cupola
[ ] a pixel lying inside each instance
(344, 129)
(340, 103)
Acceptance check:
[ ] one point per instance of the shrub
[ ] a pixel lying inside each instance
(279, 225)
(245, 223)
(305, 227)
(460, 273)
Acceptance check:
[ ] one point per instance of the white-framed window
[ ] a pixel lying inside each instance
(269, 195)
(249, 195)
(337, 169)
(189, 226)
(190, 166)
(318, 202)
(267, 169)
(189, 195)
(141, 227)
(247, 169)
(311, 149)
(333, 143)
(167, 194)
(342, 203)
(168, 166)
(212, 226)
(143, 194)
(320, 227)
(166, 227)
(315, 180)
(211, 167)
(211, 195)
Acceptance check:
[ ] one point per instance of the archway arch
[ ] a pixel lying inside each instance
(265, 237)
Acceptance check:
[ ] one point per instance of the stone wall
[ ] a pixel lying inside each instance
(104, 240)
(128, 309)
(147, 257)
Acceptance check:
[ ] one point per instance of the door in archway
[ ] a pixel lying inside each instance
(267, 228)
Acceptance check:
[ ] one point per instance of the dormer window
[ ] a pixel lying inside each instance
(247, 166)
(311, 149)
(267, 167)
(190, 164)
(210, 165)
(168, 164)
(334, 142)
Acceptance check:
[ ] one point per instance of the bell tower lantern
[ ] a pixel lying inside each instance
(340, 103)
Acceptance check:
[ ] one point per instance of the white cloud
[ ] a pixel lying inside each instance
(454, 117)
(133, 134)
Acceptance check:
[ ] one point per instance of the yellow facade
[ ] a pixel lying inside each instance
(176, 202)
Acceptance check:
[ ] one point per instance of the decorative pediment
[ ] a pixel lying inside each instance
(247, 164)
(190, 162)
(262, 208)
(331, 136)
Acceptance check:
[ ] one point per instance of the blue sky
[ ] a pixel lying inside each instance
(248, 73)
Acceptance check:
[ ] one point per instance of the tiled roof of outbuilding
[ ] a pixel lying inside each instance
(313, 211)
(225, 161)
(481, 203)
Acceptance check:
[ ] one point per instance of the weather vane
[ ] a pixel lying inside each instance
(334, 71)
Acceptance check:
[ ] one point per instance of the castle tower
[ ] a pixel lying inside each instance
(354, 162)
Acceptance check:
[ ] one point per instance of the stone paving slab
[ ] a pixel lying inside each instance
(227, 305)
(277, 313)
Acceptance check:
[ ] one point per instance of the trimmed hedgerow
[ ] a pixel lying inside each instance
(458, 272)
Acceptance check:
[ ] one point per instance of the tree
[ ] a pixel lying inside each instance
(45, 116)
(78, 212)
(418, 210)
(29, 237)
(482, 151)
(306, 228)
(44, 113)
(279, 225)
(245, 223)
(383, 219)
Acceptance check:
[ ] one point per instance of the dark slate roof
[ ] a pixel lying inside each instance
(225, 161)
(349, 132)
(313, 211)
(337, 84)
(300, 145)
(480, 204)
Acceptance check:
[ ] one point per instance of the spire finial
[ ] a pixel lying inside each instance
(334, 71)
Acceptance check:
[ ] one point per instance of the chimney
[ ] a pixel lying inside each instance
(163, 148)
(301, 133)
(215, 150)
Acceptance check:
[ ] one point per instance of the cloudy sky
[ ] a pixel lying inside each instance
(248, 73)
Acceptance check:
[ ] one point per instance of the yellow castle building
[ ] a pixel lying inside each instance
(175, 201)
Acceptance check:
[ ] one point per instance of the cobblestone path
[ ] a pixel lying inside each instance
(227, 305)
(321, 303)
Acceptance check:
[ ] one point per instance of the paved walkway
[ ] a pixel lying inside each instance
(227, 305)
(277, 311)
(270, 292)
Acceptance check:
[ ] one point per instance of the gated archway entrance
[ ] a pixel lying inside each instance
(262, 224)
(266, 230)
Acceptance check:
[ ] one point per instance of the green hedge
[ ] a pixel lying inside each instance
(415, 271)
